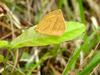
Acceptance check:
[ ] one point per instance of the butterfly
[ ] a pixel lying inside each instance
(52, 24)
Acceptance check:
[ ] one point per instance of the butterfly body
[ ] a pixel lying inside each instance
(52, 24)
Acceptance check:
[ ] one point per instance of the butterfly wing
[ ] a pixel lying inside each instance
(52, 24)
(45, 26)
(59, 27)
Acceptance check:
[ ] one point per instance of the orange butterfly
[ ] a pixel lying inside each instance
(52, 24)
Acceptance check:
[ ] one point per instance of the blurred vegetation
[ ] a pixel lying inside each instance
(80, 56)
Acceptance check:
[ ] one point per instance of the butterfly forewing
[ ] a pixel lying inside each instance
(52, 24)
(46, 25)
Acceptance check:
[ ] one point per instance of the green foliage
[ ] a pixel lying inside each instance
(82, 16)
(92, 64)
(25, 57)
(89, 43)
(72, 61)
(50, 54)
(1, 58)
(3, 43)
(6, 72)
(32, 38)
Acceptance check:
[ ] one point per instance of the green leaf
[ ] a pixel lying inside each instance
(72, 61)
(1, 58)
(3, 43)
(92, 64)
(32, 38)
(25, 57)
